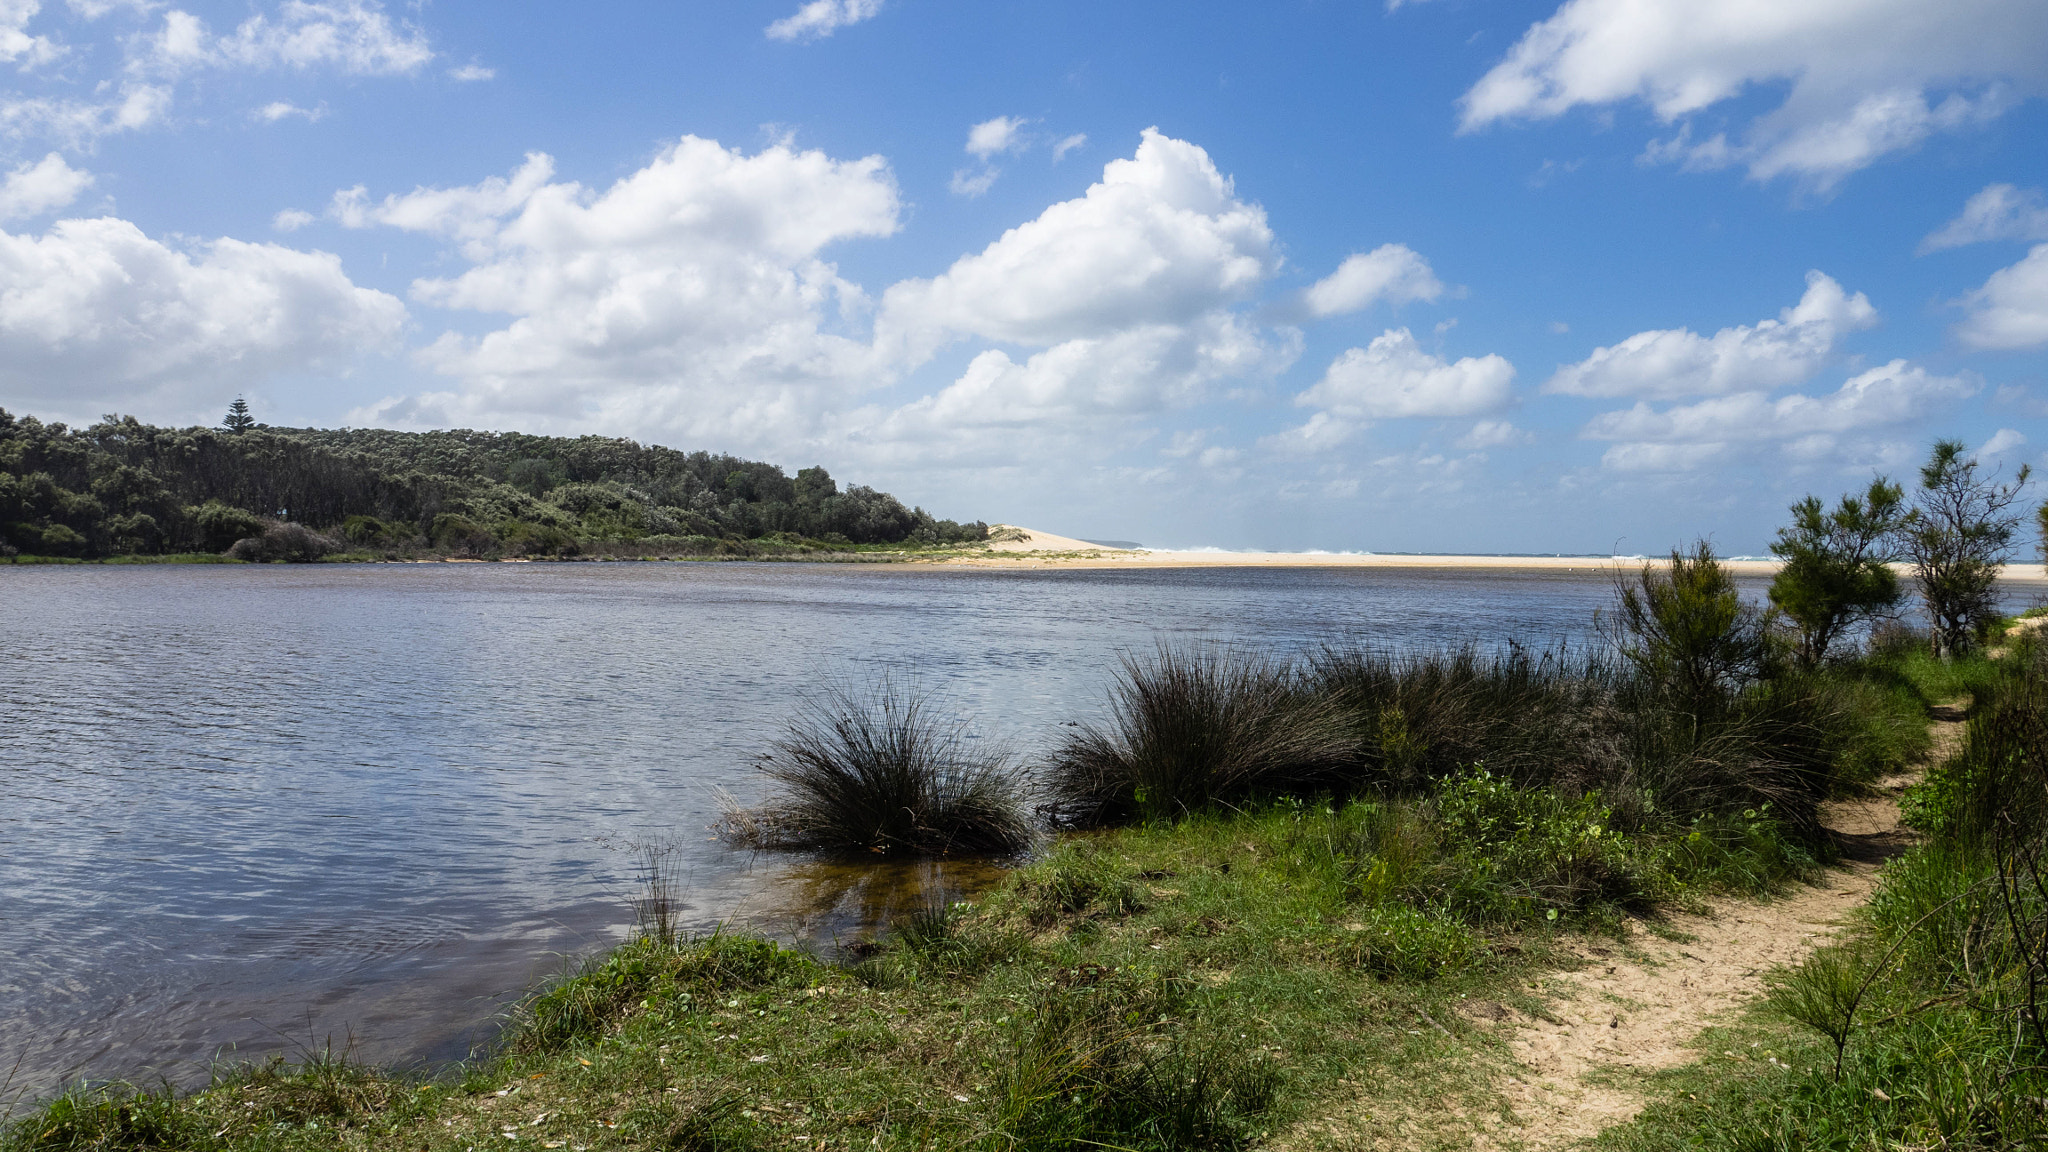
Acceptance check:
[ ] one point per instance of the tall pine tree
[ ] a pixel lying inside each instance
(238, 419)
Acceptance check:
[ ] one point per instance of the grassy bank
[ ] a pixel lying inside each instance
(1923, 1027)
(1281, 886)
(1192, 985)
(1269, 886)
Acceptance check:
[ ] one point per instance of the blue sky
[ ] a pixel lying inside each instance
(1435, 275)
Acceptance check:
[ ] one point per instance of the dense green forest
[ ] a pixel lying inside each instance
(121, 487)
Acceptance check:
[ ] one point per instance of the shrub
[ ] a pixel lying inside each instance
(877, 773)
(288, 543)
(1687, 629)
(1537, 847)
(221, 525)
(1195, 727)
(459, 534)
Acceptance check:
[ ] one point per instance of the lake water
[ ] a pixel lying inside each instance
(255, 810)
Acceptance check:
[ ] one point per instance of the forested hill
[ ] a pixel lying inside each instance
(122, 487)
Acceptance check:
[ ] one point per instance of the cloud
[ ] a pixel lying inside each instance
(1999, 212)
(688, 296)
(971, 183)
(1161, 239)
(473, 213)
(96, 308)
(1801, 426)
(1129, 291)
(821, 18)
(353, 36)
(2002, 441)
(1393, 273)
(472, 73)
(1068, 144)
(80, 123)
(16, 45)
(1492, 434)
(1677, 362)
(291, 220)
(1863, 80)
(45, 186)
(1393, 378)
(277, 110)
(2010, 311)
(992, 138)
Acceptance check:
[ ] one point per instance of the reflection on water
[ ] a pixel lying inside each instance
(251, 808)
(838, 902)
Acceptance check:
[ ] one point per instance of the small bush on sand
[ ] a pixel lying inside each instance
(878, 773)
(1195, 727)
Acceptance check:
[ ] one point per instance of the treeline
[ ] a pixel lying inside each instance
(121, 487)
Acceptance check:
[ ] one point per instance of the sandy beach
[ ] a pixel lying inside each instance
(1032, 548)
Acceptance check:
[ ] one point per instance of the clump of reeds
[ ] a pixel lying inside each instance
(877, 772)
(1195, 727)
(1532, 717)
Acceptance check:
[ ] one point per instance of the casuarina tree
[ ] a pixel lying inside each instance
(1688, 628)
(1957, 535)
(1836, 571)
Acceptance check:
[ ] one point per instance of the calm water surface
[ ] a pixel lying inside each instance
(259, 809)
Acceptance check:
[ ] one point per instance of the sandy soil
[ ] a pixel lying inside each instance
(1038, 549)
(1636, 1007)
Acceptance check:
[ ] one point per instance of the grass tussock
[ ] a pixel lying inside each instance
(878, 772)
(1198, 727)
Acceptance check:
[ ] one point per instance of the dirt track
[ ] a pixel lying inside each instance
(1635, 1007)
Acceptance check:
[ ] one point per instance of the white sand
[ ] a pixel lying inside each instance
(1045, 550)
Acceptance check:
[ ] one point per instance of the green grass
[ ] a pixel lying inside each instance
(1918, 1029)
(1182, 985)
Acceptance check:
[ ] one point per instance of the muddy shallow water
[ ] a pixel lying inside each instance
(262, 809)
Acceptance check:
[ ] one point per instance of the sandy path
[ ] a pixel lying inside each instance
(1635, 1007)
(1638, 1009)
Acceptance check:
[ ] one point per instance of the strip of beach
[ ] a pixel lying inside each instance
(1015, 547)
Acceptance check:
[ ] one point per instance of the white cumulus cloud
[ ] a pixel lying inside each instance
(689, 296)
(1894, 395)
(44, 186)
(992, 138)
(821, 18)
(2011, 310)
(1863, 79)
(95, 308)
(1390, 273)
(472, 73)
(1162, 238)
(17, 46)
(1676, 362)
(1999, 212)
(1394, 377)
(1128, 293)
